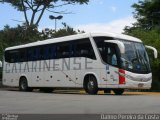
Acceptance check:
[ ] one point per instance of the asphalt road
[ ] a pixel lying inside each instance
(73, 103)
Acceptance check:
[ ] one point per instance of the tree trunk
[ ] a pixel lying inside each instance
(25, 14)
(39, 18)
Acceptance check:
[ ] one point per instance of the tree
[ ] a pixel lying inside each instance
(147, 13)
(16, 36)
(38, 7)
(65, 31)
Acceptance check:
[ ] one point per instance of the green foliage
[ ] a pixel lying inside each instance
(151, 37)
(147, 29)
(38, 8)
(65, 31)
(147, 13)
(77, 1)
(16, 36)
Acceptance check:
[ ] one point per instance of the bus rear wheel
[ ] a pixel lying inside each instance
(91, 86)
(118, 91)
(23, 85)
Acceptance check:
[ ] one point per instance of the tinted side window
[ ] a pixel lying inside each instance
(36, 53)
(48, 52)
(52, 51)
(43, 52)
(111, 57)
(108, 51)
(30, 54)
(7, 56)
(63, 50)
(23, 55)
(83, 48)
(12, 56)
(76, 48)
(100, 42)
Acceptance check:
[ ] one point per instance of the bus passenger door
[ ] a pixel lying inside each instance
(112, 76)
(112, 64)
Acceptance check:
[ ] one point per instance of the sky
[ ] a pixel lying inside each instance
(96, 16)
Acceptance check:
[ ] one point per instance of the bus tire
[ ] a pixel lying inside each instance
(46, 90)
(90, 84)
(118, 91)
(23, 85)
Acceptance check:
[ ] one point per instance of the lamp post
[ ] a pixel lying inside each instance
(55, 18)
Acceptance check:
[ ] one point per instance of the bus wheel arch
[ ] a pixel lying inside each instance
(23, 84)
(90, 84)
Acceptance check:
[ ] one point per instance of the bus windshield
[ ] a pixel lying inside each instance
(135, 58)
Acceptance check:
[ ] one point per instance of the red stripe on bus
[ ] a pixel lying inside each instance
(121, 76)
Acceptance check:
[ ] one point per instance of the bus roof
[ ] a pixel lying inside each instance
(75, 37)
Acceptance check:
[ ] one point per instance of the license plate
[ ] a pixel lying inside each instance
(140, 85)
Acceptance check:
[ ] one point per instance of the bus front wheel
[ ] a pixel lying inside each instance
(90, 85)
(23, 85)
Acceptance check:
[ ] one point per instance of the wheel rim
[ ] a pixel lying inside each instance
(23, 85)
(90, 85)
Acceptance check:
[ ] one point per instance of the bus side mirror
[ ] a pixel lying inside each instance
(0, 64)
(119, 44)
(154, 50)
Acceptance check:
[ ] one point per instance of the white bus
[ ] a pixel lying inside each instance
(95, 61)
